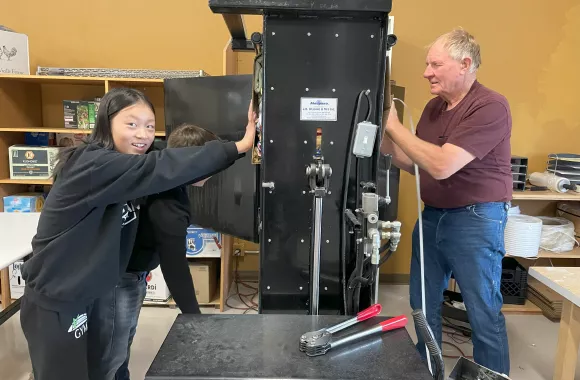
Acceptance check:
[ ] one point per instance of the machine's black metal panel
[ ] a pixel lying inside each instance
(311, 58)
(227, 202)
(266, 347)
(328, 7)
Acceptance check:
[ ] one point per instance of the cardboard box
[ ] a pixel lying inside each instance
(14, 57)
(39, 138)
(70, 139)
(80, 114)
(201, 242)
(157, 290)
(92, 115)
(28, 202)
(16, 281)
(32, 161)
(205, 279)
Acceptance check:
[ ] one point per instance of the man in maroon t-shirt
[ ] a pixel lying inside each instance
(462, 150)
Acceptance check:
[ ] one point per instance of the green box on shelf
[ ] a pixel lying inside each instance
(80, 114)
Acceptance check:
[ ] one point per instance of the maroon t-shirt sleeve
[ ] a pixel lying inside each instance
(482, 130)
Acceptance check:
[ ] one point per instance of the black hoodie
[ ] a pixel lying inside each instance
(87, 227)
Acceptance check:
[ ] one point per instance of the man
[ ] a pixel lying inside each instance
(462, 149)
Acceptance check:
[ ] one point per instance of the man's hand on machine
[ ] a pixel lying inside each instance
(247, 142)
(392, 121)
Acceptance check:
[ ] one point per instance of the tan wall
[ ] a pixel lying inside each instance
(529, 50)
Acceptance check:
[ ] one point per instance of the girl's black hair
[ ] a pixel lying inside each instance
(114, 101)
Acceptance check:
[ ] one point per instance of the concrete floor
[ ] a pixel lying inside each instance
(532, 340)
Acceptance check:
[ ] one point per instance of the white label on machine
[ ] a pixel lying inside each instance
(319, 109)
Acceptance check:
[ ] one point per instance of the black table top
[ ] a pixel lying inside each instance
(266, 347)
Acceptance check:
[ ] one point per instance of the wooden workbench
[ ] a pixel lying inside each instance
(566, 282)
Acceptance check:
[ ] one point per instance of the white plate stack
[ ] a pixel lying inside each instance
(522, 235)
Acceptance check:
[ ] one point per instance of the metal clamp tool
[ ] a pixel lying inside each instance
(321, 345)
(312, 336)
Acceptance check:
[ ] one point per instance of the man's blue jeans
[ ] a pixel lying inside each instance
(468, 242)
(118, 313)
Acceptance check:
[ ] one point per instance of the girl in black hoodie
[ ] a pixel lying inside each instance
(88, 225)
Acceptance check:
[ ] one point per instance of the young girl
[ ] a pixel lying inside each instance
(88, 225)
(160, 241)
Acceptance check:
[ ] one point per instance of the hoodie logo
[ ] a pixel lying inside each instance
(79, 325)
(129, 213)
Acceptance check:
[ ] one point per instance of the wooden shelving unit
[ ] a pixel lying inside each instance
(573, 254)
(31, 103)
(542, 203)
(545, 196)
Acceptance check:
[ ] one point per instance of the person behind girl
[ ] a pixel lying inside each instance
(161, 239)
(87, 229)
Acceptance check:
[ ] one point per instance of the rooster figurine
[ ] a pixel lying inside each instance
(8, 53)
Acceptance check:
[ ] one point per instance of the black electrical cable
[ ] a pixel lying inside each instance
(346, 181)
(357, 180)
(351, 281)
(370, 103)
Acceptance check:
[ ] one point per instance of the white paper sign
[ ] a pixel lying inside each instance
(319, 109)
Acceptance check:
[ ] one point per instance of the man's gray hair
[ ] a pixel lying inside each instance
(460, 45)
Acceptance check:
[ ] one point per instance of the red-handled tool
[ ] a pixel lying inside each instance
(394, 323)
(371, 311)
(321, 345)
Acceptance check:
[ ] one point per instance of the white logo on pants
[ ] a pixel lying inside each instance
(79, 325)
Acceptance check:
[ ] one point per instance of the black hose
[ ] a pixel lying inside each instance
(359, 274)
(358, 270)
(424, 331)
(346, 182)
(386, 257)
(352, 283)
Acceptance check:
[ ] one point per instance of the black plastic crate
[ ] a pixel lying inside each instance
(514, 282)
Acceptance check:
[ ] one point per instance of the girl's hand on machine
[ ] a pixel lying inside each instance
(247, 142)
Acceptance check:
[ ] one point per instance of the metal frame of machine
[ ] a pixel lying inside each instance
(317, 62)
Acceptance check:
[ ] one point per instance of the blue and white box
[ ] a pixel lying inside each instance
(203, 242)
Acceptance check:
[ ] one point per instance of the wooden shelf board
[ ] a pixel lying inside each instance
(545, 196)
(131, 82)
(573, 254)
(31, 181)
(528, 308)
(51, 130)
(56, 79)
(49, 79)
(160, 133)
